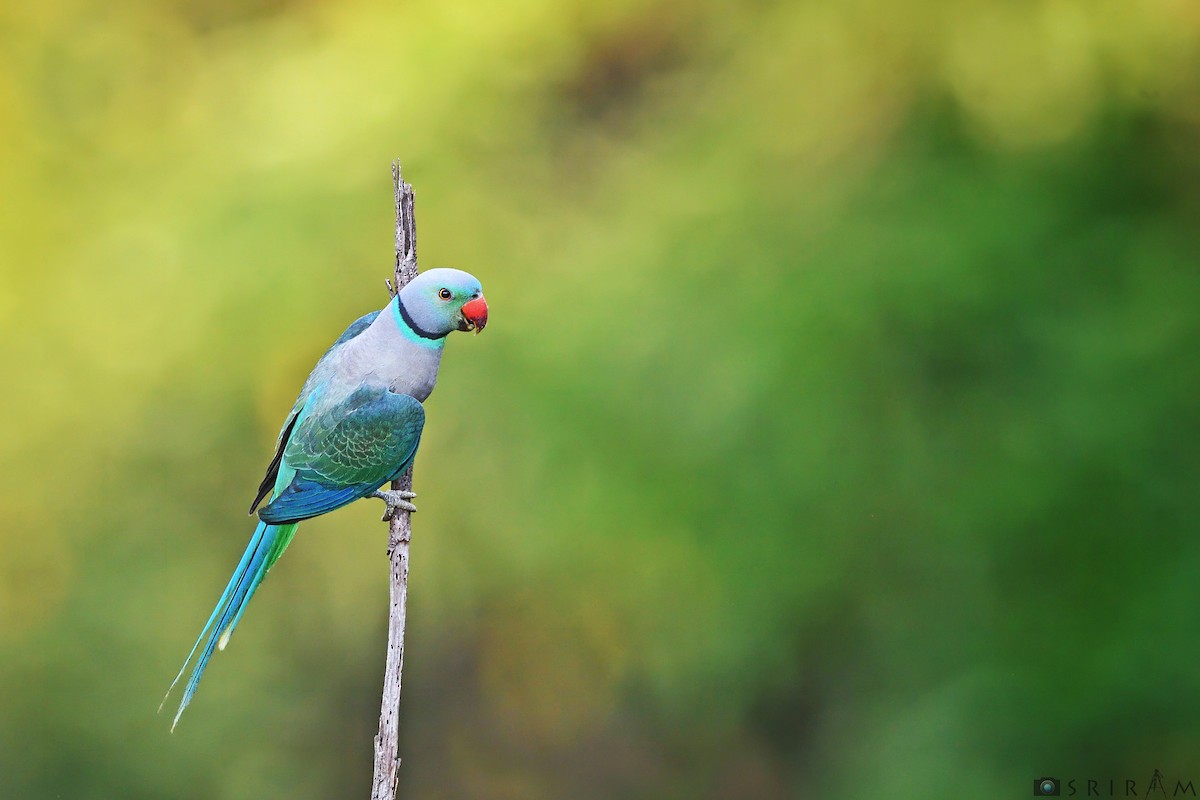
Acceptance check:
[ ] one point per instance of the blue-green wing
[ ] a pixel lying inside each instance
(345, 452)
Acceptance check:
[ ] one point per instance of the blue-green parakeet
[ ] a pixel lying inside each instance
(354, 428)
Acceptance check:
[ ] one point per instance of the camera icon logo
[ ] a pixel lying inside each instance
(1046, 787)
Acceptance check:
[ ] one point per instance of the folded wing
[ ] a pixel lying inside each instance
(344, 452)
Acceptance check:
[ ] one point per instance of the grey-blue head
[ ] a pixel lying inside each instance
(442, 300)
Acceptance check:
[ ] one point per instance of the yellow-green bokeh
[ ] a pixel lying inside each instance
(834, 433)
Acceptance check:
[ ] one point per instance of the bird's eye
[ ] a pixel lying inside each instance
(445, 294)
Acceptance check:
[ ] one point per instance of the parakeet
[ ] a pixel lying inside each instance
(354, 427)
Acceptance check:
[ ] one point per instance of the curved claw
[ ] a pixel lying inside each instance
(395, 501)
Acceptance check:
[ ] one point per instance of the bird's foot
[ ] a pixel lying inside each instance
(395, 501)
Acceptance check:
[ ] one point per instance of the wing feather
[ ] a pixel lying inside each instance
(346, 452)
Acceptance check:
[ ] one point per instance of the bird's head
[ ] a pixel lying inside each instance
(442, 300)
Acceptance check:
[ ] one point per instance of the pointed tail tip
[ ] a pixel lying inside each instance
(178, 713)
(182, 705)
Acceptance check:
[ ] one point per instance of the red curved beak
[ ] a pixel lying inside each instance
(475, 312)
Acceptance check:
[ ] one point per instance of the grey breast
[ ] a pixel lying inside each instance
(382, 353)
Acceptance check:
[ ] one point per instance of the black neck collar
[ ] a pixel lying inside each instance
(413, 326)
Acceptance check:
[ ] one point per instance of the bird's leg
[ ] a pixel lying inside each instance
(395, 501)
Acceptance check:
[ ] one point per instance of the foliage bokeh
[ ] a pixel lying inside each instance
(835, 433)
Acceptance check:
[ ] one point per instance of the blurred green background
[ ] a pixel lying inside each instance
(834, 434)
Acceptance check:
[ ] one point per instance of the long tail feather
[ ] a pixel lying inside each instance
(266, 545)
